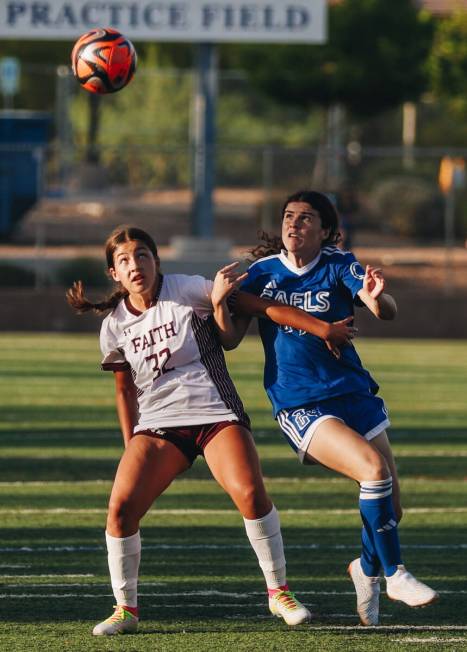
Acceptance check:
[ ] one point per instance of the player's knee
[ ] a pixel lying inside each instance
(376, 467)
(120, 516)
(251, 500)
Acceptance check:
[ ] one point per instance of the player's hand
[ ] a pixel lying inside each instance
(226, 281)
(373, 282)
(341, 333)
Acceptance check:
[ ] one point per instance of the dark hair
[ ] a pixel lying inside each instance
(125, 233)
(272, 244)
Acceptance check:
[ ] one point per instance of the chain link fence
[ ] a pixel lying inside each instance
(139, 143)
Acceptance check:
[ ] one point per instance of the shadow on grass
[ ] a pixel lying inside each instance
(55, 468)
(311, 496)
(27, 469)
(277, 458)
(89, 436)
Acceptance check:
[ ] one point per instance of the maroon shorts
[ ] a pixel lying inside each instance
(191, 440)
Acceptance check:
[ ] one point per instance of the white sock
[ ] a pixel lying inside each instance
(266, 540)
(124, 556)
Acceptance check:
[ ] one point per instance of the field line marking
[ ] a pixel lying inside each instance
(177, 481)
(222, 512)
(430, 639)
(37, 575)
(370, 628)
(219, 546)
(176, 594)
(52, 483)
(101, 481)
(62, 585)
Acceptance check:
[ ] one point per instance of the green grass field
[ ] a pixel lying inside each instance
(200, 586)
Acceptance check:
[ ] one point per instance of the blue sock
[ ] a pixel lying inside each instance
(369, 559)
(380, 522)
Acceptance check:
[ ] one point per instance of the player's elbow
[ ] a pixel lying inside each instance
(389, 314)
(230, 345)
(388, 309)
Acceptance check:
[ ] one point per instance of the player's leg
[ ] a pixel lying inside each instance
(369, 558)
(231, 455)
(381, 443)
(340, 448)
(146, 469)
(402, 586)
(148, 466)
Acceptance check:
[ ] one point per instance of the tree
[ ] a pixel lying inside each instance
(448, 61)
(374, 60)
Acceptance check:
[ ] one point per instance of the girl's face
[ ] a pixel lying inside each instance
(135, 267)
(302, 232)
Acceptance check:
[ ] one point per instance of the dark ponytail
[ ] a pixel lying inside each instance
(269, 245)
(78, 301)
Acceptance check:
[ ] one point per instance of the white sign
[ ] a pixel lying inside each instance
(9, 75)
(260, 21)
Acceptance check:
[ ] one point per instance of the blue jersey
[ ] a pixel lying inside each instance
(299, 368)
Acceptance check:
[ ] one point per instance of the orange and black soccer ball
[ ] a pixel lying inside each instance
(103, 61)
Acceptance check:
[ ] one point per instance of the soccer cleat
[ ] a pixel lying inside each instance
(120, 622)
(404, 587)
(284, 604)
(367, 590)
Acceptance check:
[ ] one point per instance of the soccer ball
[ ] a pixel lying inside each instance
(103, 61)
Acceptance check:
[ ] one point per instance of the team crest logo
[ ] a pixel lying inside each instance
(357, 271)
(303, 418)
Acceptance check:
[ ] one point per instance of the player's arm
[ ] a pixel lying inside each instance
(381, 304)
(335, 334)
(231, 330)
(127, 404)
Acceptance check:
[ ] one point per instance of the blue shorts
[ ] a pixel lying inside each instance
(363, 412)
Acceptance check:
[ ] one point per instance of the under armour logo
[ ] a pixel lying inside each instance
(159, 432)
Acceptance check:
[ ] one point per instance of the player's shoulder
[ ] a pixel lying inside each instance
(331, 252)
(187, 289)
(111, 323)
(176, 285)
(332, 255)
(342, 263)
(182, 279)
(265, 264)
(116, 314)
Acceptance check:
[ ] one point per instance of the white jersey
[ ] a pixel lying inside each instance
(175, 358)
